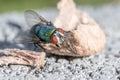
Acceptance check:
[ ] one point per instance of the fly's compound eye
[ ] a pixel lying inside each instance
(61, 30)
(54, 39)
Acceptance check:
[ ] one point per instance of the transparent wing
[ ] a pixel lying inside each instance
(33, 18)
(25, 37)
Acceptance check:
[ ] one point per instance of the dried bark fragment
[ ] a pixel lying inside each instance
(85, 37)
(24, 57)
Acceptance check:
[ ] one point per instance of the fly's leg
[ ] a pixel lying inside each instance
(57, 45)
(38, 45)
(35, 44)
(43, 49)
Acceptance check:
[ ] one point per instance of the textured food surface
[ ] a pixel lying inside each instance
(103, 66)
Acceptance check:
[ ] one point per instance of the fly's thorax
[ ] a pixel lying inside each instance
(44, 32)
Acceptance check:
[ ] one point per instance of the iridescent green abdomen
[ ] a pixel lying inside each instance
(44, 32)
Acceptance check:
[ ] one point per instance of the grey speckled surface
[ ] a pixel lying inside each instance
(103, 66)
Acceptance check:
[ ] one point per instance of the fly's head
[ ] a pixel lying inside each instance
(58, 36)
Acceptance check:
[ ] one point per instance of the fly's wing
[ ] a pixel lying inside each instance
(25, 37)
(33, 18)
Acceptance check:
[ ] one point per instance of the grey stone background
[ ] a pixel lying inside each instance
(102, 66)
